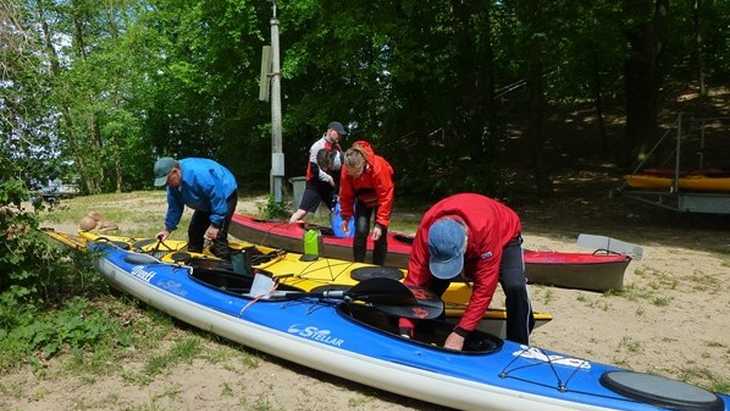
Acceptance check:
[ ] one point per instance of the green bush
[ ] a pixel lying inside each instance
(36, 277)
(273, 210)
(43, 334)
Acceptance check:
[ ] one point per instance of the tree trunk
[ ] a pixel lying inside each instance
(118, 169)
(78, 36)
(487, 108)
(598, 102)
(533, 18)
(467, 101)
(699, 61)
(50, 51)
(642, 76)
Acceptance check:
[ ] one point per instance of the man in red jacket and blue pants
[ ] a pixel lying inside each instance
(477, 238)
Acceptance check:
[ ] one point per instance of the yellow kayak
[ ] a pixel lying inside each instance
(289, 269)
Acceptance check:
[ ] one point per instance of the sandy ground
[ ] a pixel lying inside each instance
(673, 319)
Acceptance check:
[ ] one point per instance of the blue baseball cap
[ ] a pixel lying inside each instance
(446, 246)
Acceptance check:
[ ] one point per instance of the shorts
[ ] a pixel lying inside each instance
(316, 193)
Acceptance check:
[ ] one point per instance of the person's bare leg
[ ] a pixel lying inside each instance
(298, 216)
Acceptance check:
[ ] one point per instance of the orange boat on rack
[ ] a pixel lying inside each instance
(689, 182)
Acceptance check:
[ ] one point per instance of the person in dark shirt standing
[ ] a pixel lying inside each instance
(321, 181)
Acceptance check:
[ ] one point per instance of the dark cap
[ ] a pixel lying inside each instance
(163, 167)
(337, 126)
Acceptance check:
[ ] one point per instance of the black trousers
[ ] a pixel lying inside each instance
(520, 320)
(363, 214)
(200, 223)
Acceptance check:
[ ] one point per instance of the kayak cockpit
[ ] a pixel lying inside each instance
(214, 274)
(429, 333)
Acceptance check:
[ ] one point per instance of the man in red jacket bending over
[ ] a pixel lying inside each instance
(367, 183)
(477, 238)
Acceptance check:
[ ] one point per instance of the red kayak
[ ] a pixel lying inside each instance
(598, 271)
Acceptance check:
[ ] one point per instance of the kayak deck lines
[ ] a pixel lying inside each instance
(549, 360)
(334, 338)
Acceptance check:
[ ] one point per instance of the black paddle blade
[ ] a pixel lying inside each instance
(394, 298)
(427, 300)
(416, 311)
(382, 291)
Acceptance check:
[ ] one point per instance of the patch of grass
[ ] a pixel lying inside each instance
(582, 298)
(39, 394)
(629, 345)
(171, 392)
(661, 301)
(358, 401)
(547, 297)
(721, 386)
(219, 355)
(705, 378)
(148, 406)
(183, 351)
(612, 292)
(632, 293)
(704, 282)
(111, 206)
(226, 391)
(95, 402)
(250, 360)
(11, 390)
(263, 404)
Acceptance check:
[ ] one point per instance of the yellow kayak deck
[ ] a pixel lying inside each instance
(285, 266)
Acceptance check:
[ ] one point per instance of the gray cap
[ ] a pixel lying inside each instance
(163, 167)
(337, 126)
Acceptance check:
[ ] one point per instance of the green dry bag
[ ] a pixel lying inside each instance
(311, 245)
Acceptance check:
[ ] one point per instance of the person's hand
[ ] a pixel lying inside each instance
(377, 232)
(345, 227)
(454, 342)
(212, 233)
(162, 235)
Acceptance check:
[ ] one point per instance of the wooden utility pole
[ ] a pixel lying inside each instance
(277, 154)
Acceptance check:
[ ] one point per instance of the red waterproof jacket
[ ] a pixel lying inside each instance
(374, 186)
(491, 225)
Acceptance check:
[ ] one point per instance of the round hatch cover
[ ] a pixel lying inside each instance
(367, 273)
(661, 392)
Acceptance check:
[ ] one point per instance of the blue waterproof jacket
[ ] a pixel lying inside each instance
(205, 186)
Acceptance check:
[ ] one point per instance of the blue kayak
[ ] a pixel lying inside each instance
(361, 344)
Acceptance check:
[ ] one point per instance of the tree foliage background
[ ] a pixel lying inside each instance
(98, 89)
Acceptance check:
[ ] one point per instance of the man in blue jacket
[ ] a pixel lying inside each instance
(208, 188)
